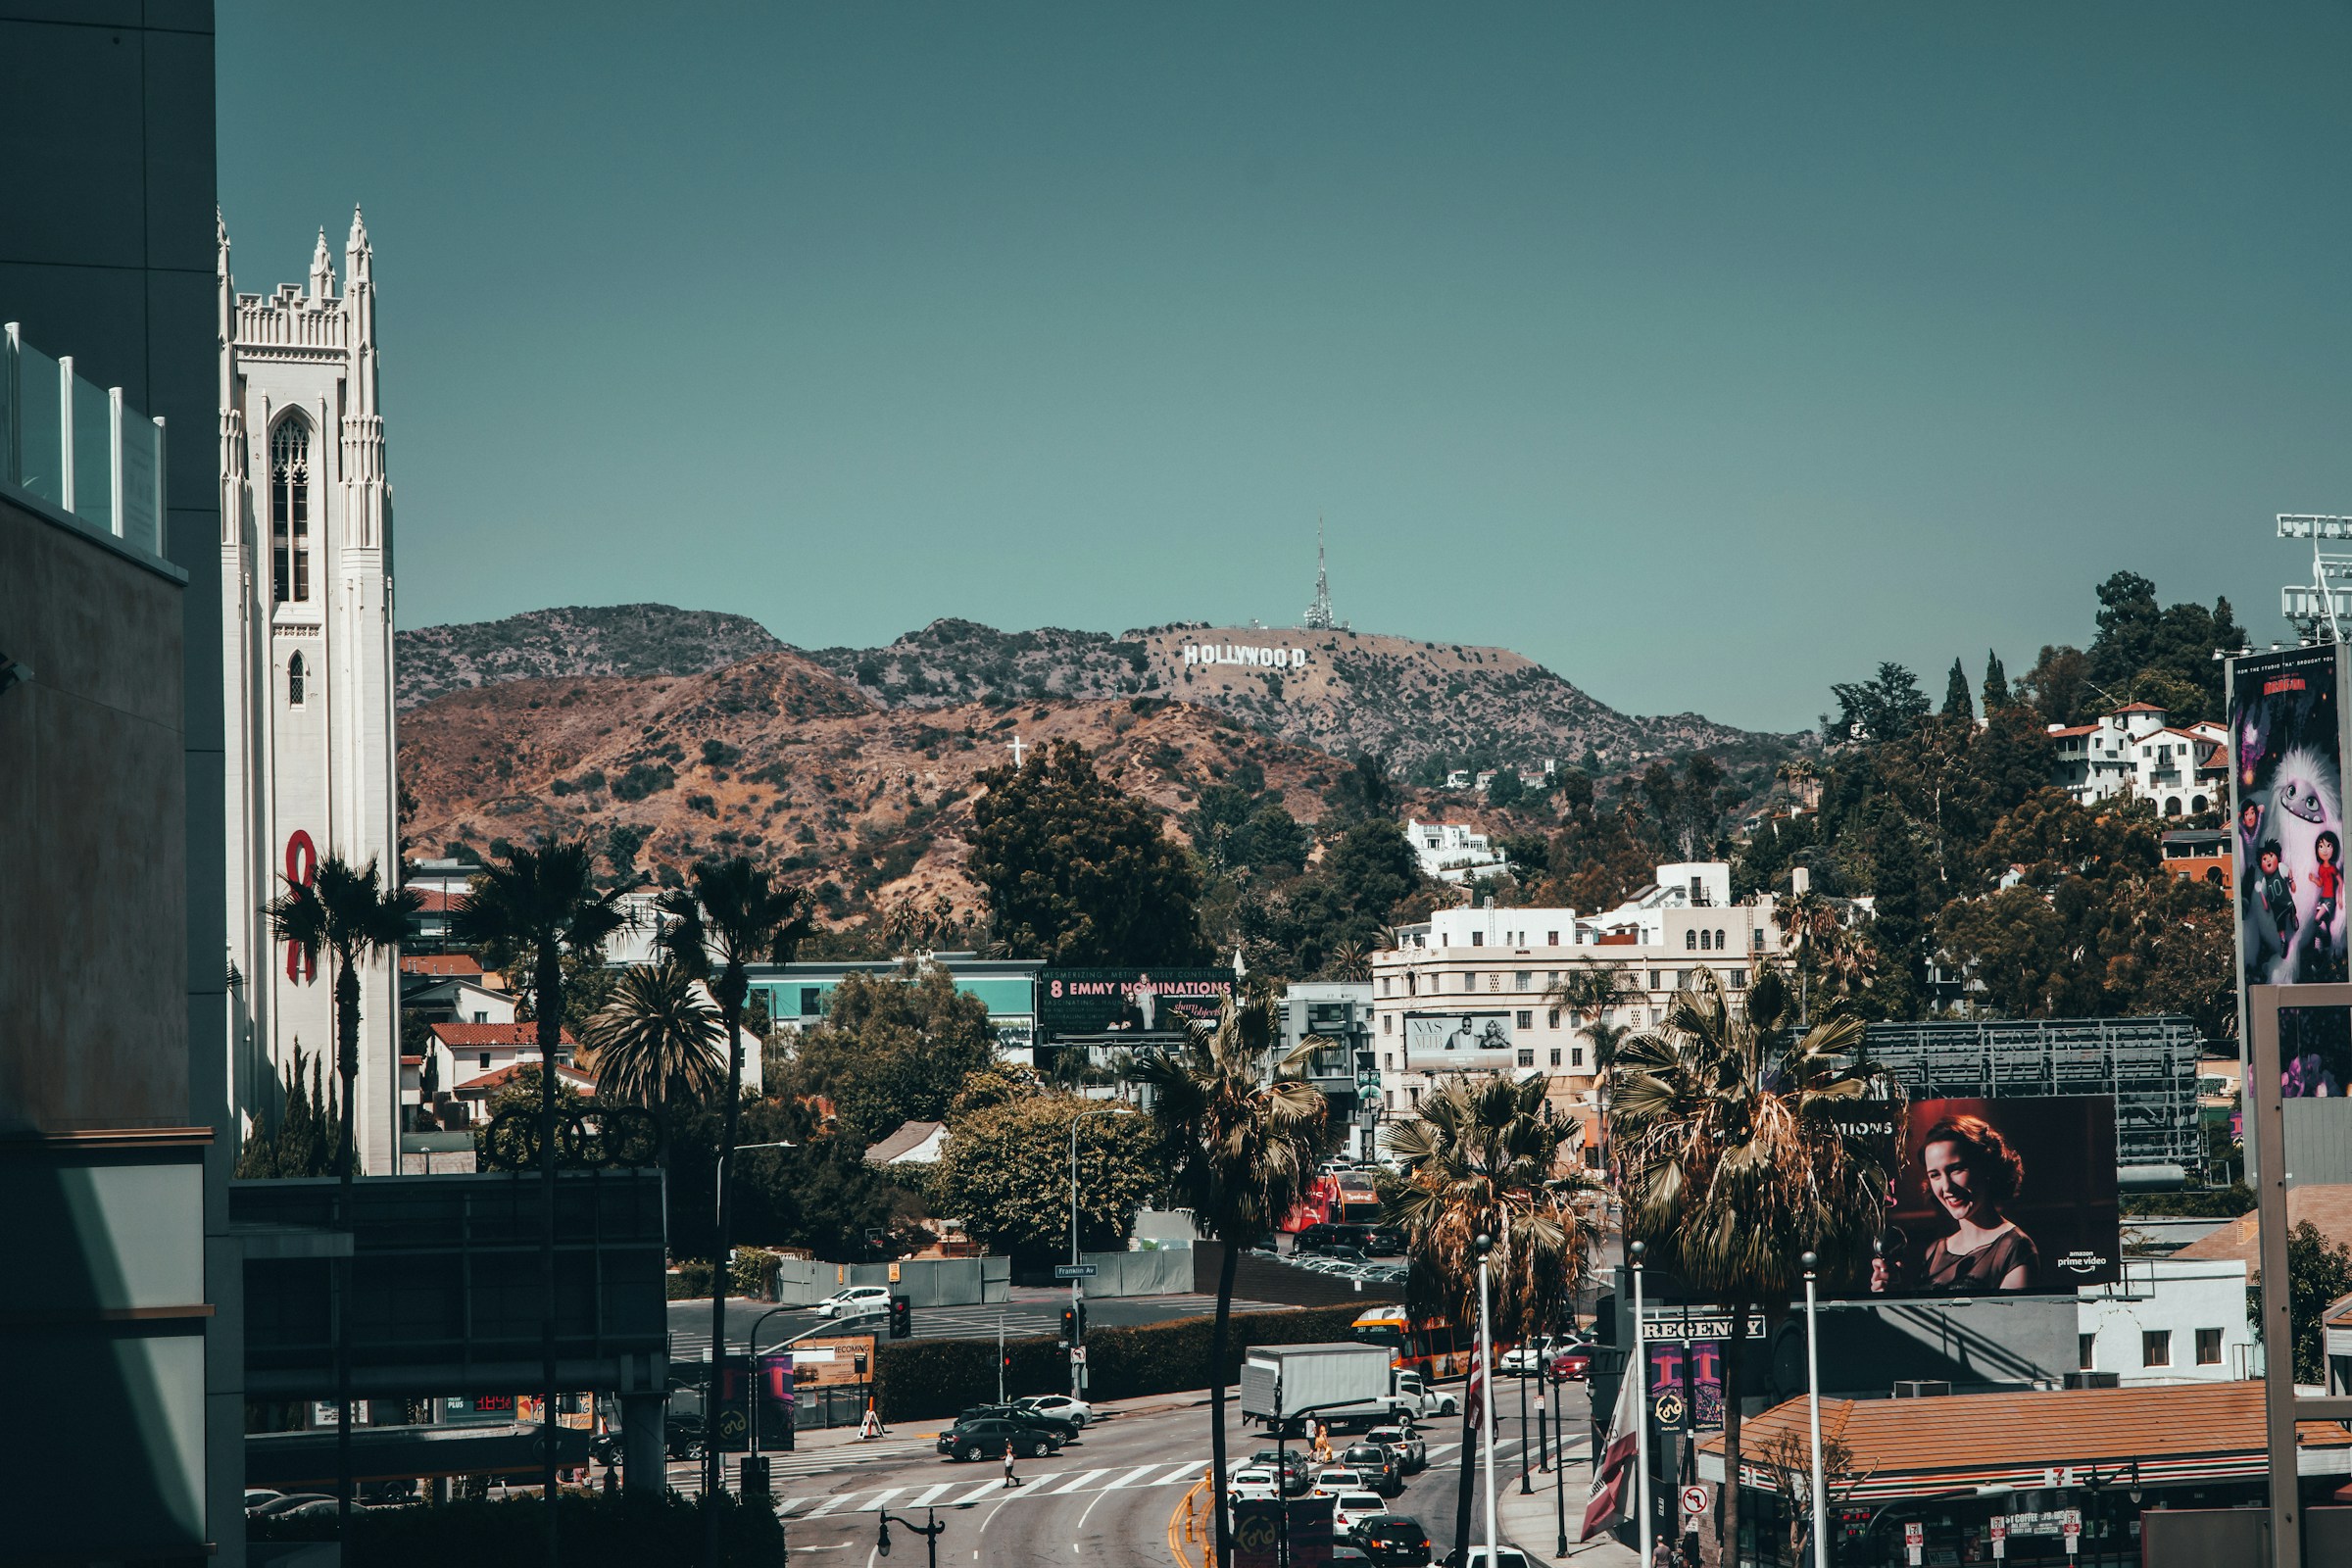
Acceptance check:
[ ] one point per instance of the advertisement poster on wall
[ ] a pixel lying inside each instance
(2287, 808)
(2000, 1197)
(1469, 1040)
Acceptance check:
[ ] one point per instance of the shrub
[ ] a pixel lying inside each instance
(642, 779)
(703, 804)
(691, 1283)
(718, 754)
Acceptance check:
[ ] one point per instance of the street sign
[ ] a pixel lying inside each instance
(1915, 1536)
(1695, 1499)
(2072, 1527)
(1077, 1356)
(1073, 1271)
(2001, 1538)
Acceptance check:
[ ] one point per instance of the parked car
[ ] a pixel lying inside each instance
(1380, 1465)
(984, 1438)
(1352, 1512)
(1406, 1444)
(1060, 1405)
(279, 1506)
(1572, 1365)
(255, 1497)
(856, 1301)
(1291, 1463)
(1331, 1481)
(682, 1434)
(1393, 1540)
(315, 1509)
(1061, 1428)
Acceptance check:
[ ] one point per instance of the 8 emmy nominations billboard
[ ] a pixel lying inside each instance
(1470, 1039)
(2001, 1196)
(2287, 804)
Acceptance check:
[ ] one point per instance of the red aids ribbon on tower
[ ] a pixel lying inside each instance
(302, 869)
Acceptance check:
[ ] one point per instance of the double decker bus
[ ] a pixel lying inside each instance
(1430, 1345)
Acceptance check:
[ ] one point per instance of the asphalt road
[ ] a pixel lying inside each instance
(1029, 1312)
(1116, 1494)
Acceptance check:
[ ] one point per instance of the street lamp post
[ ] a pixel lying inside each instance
(930, 1532)
(1821, 1506)
(1077, 1291)
(1639, 1367)
(1526, 1486)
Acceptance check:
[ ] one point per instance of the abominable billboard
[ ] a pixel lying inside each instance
(2286, 804)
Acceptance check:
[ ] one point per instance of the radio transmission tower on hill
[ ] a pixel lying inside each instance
(1319, 613)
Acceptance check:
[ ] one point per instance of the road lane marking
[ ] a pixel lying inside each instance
(879, 1499)
(977, 1493)
(1074, 1484)
(791, 1504)
(928, 1495)
(1131, 1477)
(1179, 1473)
(828, 1505)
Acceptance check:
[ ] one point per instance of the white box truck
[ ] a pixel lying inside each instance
(1342, 1384)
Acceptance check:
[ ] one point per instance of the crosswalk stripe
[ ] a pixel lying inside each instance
(1189, 1470)
(1131, 1477)
(977, 1493)
(1075, 1483)
(929, 1494)
(790, 1503)
(879, 1500)
(828, 1505)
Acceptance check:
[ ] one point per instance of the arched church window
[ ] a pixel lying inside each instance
(294, 674)
(290, 511)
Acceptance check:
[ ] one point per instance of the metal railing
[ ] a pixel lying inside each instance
(78, 446)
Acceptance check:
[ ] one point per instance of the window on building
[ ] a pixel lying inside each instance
(485, 1067)
(1526, 1019)
(2209, 1346)
(1385, 1019)
(1738, 979)
(1412, 1095)
(1478, 939)
(1759, 935)
(1527, 1059)
(1719, 942)
(294, 680)
(1551, 977)
(1384, 982)
(2156, 1348)
(1551, 1018)
(1524, 980)
(1691, 942)
(1657, 979)
(1388, 1099)
(2086, 1352)
(1556, 1055)
(1412, 984)
(1552, 939)
(1388, 1061)
(1469, 980)
(291, 512)
(1575, 1055)
(480, 1017)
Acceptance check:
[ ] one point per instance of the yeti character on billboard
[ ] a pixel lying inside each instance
(2288, 787)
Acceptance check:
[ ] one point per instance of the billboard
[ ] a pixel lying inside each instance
(2315, 1052)
(1097, 1002)
(1997, 1197)
(1465, 1039)
(2287, 806)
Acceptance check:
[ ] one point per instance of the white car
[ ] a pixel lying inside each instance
(1252, 1484)
(1337, 1480)
(1350, 1511)
(858, 1300)
(1059, 1404)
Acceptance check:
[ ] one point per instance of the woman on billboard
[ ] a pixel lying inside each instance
(1971, 1172)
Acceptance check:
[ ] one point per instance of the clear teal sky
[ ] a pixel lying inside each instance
(1707, 355)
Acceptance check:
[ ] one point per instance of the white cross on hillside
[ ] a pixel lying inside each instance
(1016, 745)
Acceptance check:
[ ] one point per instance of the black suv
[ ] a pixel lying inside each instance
(1380, 1465)
(1060, 1428)
(984, 1438)
(1396, 1542)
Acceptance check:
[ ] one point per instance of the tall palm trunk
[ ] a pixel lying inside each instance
(1727, 1518)
(347, 1067)
(1219, 1337)
(713, 1468)
(1468, 1481)
(548, 1002)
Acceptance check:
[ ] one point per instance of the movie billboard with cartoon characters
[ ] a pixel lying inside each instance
(2287, 812)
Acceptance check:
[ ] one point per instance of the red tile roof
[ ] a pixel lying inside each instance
(2072, 729)
(2144, 708)
(441, 964)
(474, 1036)
(491, 1082)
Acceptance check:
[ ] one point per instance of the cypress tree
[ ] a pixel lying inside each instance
(1957, 701)
(1997, 684)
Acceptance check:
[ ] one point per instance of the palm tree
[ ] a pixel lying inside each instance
(347, 914)
(1484, 1159)
(1350, 960)
(1243, 1147)
(1806, 921)
(1591, 989)
(1740, 1153)
(730, 917)
(657, 1040)
(539, 905)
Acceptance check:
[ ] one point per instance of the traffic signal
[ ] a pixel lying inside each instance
(1069, 1325)
(1007, 1361)
(901, 1318)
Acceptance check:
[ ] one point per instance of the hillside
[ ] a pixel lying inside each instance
(608, 640)
(776, 756)
(1422, 705)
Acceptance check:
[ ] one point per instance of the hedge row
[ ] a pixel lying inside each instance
(918, 1380)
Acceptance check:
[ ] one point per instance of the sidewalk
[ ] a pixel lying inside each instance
(1532, 1523)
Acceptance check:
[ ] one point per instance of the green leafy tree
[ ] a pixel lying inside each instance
(2058, 687)
(1352, 896)
(1487, 1161)
(1504, 790)
(296, 1138)
(1957, 704)
(1884, 708)
(893, 1049)
(2319, 1274)
(1078, 873)
(1736, 1163)
(728, 917)
(540, 905)
(657, 1041)
(1364, 793)
(1242, 1147)
(819, 1194)
(1997, 684)
(1005, 1173)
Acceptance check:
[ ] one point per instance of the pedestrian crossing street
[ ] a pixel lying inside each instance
(965, 1491)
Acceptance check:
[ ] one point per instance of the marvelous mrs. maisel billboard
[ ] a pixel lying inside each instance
(1995, 1197)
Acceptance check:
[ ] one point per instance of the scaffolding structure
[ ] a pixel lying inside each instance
(2148, 1065)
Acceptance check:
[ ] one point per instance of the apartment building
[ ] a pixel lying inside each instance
(1474, 990)
(2136, 750)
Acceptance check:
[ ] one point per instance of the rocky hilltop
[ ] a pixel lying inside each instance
(1420, 705)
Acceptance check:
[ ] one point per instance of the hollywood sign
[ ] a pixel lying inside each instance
(1245, 655)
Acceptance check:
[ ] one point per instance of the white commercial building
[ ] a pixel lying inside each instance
(1469, 989)
(2169, 1320)
(2183, 770)
(305, 626)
